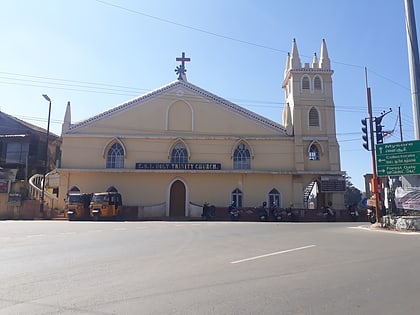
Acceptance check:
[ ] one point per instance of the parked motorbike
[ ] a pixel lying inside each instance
(354, 214)
(262, 212)
(291, 216)
(371, 215)
(276, 213)
(329, 214)
(209, 212)
(234, 212)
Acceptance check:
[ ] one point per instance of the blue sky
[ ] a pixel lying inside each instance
(98, 54)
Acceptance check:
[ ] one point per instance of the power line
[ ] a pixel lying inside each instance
(235, 39)
(103, 88)
(190, 27)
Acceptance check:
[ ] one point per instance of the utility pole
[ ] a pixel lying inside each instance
(399, 119)
(375, 180)
(413, 61)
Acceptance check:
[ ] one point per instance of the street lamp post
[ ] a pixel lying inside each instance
(41, 206)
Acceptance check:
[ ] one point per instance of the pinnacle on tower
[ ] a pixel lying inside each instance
(315, 61)
(287, 68)
(325, 62)
(67, 119)
(295, 60)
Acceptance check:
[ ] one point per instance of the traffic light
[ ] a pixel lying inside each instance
(378, 130)
(365, 135)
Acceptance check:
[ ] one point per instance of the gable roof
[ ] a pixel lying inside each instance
(13, 127)
(193, 88)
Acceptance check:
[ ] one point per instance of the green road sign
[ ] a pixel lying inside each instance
(398, 158)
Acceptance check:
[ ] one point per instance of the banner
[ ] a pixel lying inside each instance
(4, 186)
(407, 199)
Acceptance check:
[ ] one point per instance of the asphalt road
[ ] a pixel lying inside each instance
(60, 267)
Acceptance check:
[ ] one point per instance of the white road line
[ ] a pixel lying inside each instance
(272, 254)
(368, 228)
(67, 233)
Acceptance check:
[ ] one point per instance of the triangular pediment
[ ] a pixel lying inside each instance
(179, 107)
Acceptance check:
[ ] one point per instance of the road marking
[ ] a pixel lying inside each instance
(120, 229)
(383, 230)
(67, 233)
(35, 235)
(272, 254)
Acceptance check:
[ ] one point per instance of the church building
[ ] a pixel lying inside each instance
(173, 149)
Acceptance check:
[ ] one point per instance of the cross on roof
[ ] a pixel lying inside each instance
(180, 70)
(183, 59)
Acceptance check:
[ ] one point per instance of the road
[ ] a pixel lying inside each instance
(60, 267)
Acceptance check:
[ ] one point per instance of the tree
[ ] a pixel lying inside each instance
(352, 195)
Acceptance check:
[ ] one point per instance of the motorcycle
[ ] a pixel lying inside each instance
(262, 212)
(209, 212)
(234, 212)
(371, 215)
(329, 214)
(291, 216)
(354, 214)
(276, 213)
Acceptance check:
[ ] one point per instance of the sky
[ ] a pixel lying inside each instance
(98, 54)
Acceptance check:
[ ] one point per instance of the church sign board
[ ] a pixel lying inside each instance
(333, 183)
(179, 166)
(398, 158)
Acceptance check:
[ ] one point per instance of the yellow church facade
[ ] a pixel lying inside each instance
(173, 149)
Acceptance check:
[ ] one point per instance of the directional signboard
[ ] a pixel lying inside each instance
(398, 158)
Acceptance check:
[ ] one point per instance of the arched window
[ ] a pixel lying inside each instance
(313, 152)
(237, 197)
(317, 84)
(305, 83)
(274, 197)
(241, 158)
(115, 156)
(313, 117)
(179, 154)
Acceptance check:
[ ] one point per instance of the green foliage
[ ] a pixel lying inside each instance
(352, 195)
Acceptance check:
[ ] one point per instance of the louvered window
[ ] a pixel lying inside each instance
(313, 117)
(305, 83)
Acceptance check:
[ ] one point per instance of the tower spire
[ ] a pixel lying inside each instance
(287, 68)
(295, 60)
(315, 61)
(325, 62)
(67, 119)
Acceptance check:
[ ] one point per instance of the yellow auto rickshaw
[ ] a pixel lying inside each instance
(77, 206)
(106, 205)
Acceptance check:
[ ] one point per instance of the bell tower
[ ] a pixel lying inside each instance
(309, 117)
(309, 111)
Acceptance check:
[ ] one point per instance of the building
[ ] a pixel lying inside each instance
(22, 154)
(169, 151)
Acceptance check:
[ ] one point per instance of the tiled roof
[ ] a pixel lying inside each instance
(13, 127)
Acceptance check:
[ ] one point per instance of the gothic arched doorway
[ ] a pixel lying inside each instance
(177, 199)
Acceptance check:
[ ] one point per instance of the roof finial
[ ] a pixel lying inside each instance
(180, 70)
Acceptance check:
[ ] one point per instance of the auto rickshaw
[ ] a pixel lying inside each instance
(77, 206)
(106, 205)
